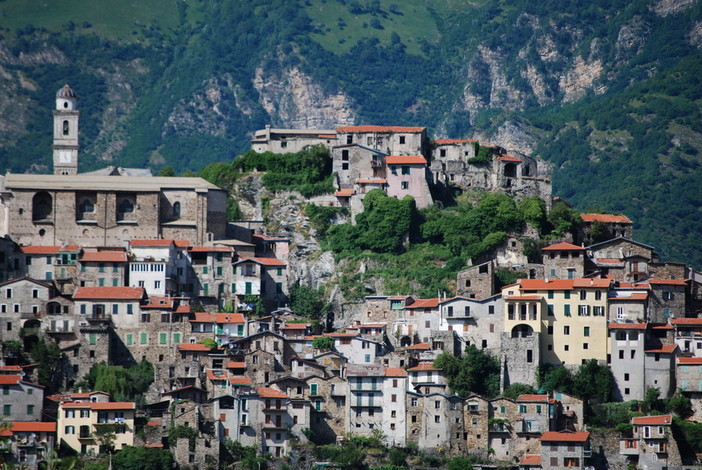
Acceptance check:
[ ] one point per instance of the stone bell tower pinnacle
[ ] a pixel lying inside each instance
(66, 132)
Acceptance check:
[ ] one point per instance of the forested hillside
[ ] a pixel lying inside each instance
(608, 91)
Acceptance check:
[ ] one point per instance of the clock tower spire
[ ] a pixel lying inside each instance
(66, 132)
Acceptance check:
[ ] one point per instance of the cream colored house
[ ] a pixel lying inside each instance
(78, 425)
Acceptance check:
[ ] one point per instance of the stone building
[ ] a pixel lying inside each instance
(516, 174)
(476, 282)
(25, 306)
(391, 140)
(667, 299)
(611, 226)
(352, 162)
(688, 375)
(565, 449)
(66, 132)
(110, 210)
(436, 421)
(102, 268)
(291, 140)
(28, 443)
(650, 446)
(21, 400)
(564, 261)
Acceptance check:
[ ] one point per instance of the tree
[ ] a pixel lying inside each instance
(166, 171)
(477, 372)
(47, 355)
(307, 302)
(323, 342)
(554, 378)
(593, 381)
(105, 435)
(680, 404)
(143, 458)
(209, 343)
(122, 384)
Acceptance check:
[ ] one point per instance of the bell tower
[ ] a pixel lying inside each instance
(66, 132)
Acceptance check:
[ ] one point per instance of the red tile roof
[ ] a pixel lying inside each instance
(193, 347)
(532, 397)
(395, 372)
(379, 129)
(10, 369)
(327, 136)
(420, 346)
(155, 422)
(230, 318)
(27, 426)
(551, 284)
(152, 242)
(608, 260)
(40, 250)
(236, 365)
(405, 160)
(592, 282)
(265, 261)
(345, 192)
(295, 326)
(555, 436)
(182, 309)
(563, 246)
(96, 405)
(452, 141)
(690, 360)
(212, 375)
(641, 296)
(654, 420)
(104, 257)
(531, 460)
(686, 321)
(627, 326)
(665, 349)
(113, 293)
(159, 302)
(606, 218)
(424, 303)
(7, 379)
(509, 158)
(203, 317)
(266, 392)
(341, 335)
(243, 381)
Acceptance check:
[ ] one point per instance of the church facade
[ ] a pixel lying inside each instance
(104, 210)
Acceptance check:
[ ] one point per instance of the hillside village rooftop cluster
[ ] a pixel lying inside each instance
(111, 265)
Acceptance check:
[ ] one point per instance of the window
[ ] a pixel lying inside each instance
(586, 331)
(598, 295)
(566, 294)
(566, 330)
(144, 338)
(437, 418)
(566, 310)
(522, 408)
(586, 346)
(550, 294)
(583, 310)
(69, 430)
(8, 293)
(626, 377)
(405, 170)
(69, 414)
(402, 141)
(566, 347)
(7, 410)
(404, 185)
(583, 295)
(437, 405)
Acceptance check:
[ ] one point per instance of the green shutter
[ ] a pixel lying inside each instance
(163, 338)
(144, 338)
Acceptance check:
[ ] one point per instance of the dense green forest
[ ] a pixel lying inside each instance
(175, 83)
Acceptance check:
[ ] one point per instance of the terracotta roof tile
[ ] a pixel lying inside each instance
(242, 381)
(509, 158)
(395, 372)
(114, 293)
(228, 318)
(668, 282)
(159, 302)
(213, 375)
(531, 460)
(654, 420)
(198, 347)
(371, 181)
(211, 249)
(523, 297)
(264, 261)
(32, 426)
(345, 192)
(104, 257)
(606, 218)
(266, 392)
(554, 436)
(424, 303)
(405, 160)
(424, 366)
(686, 321)
(7, 379)
(347, 129)
(665, 349)
(690, 360)
(532, 397)
(420, 346)
(10, 369)
(236, 365)
(40, 250)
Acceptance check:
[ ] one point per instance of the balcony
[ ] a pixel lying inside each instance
(28, 315)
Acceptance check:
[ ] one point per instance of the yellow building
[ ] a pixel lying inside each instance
(569, 314)
(79, 425)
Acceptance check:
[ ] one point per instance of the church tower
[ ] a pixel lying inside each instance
(66, 132)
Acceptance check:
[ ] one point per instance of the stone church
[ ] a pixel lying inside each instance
(104, 208)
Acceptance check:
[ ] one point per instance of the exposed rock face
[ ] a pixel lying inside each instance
(671, 7)
(513, 136)
(579, 79)
(293, 99)
(631, 39)
(696, 35)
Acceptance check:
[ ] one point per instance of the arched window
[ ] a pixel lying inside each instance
(65, 127)
(86, 205)
(126, 206)
(42, 206)
(176, 210)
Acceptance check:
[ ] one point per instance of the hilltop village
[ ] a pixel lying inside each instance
(120, 267)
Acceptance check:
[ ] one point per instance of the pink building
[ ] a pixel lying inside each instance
(406, 176)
